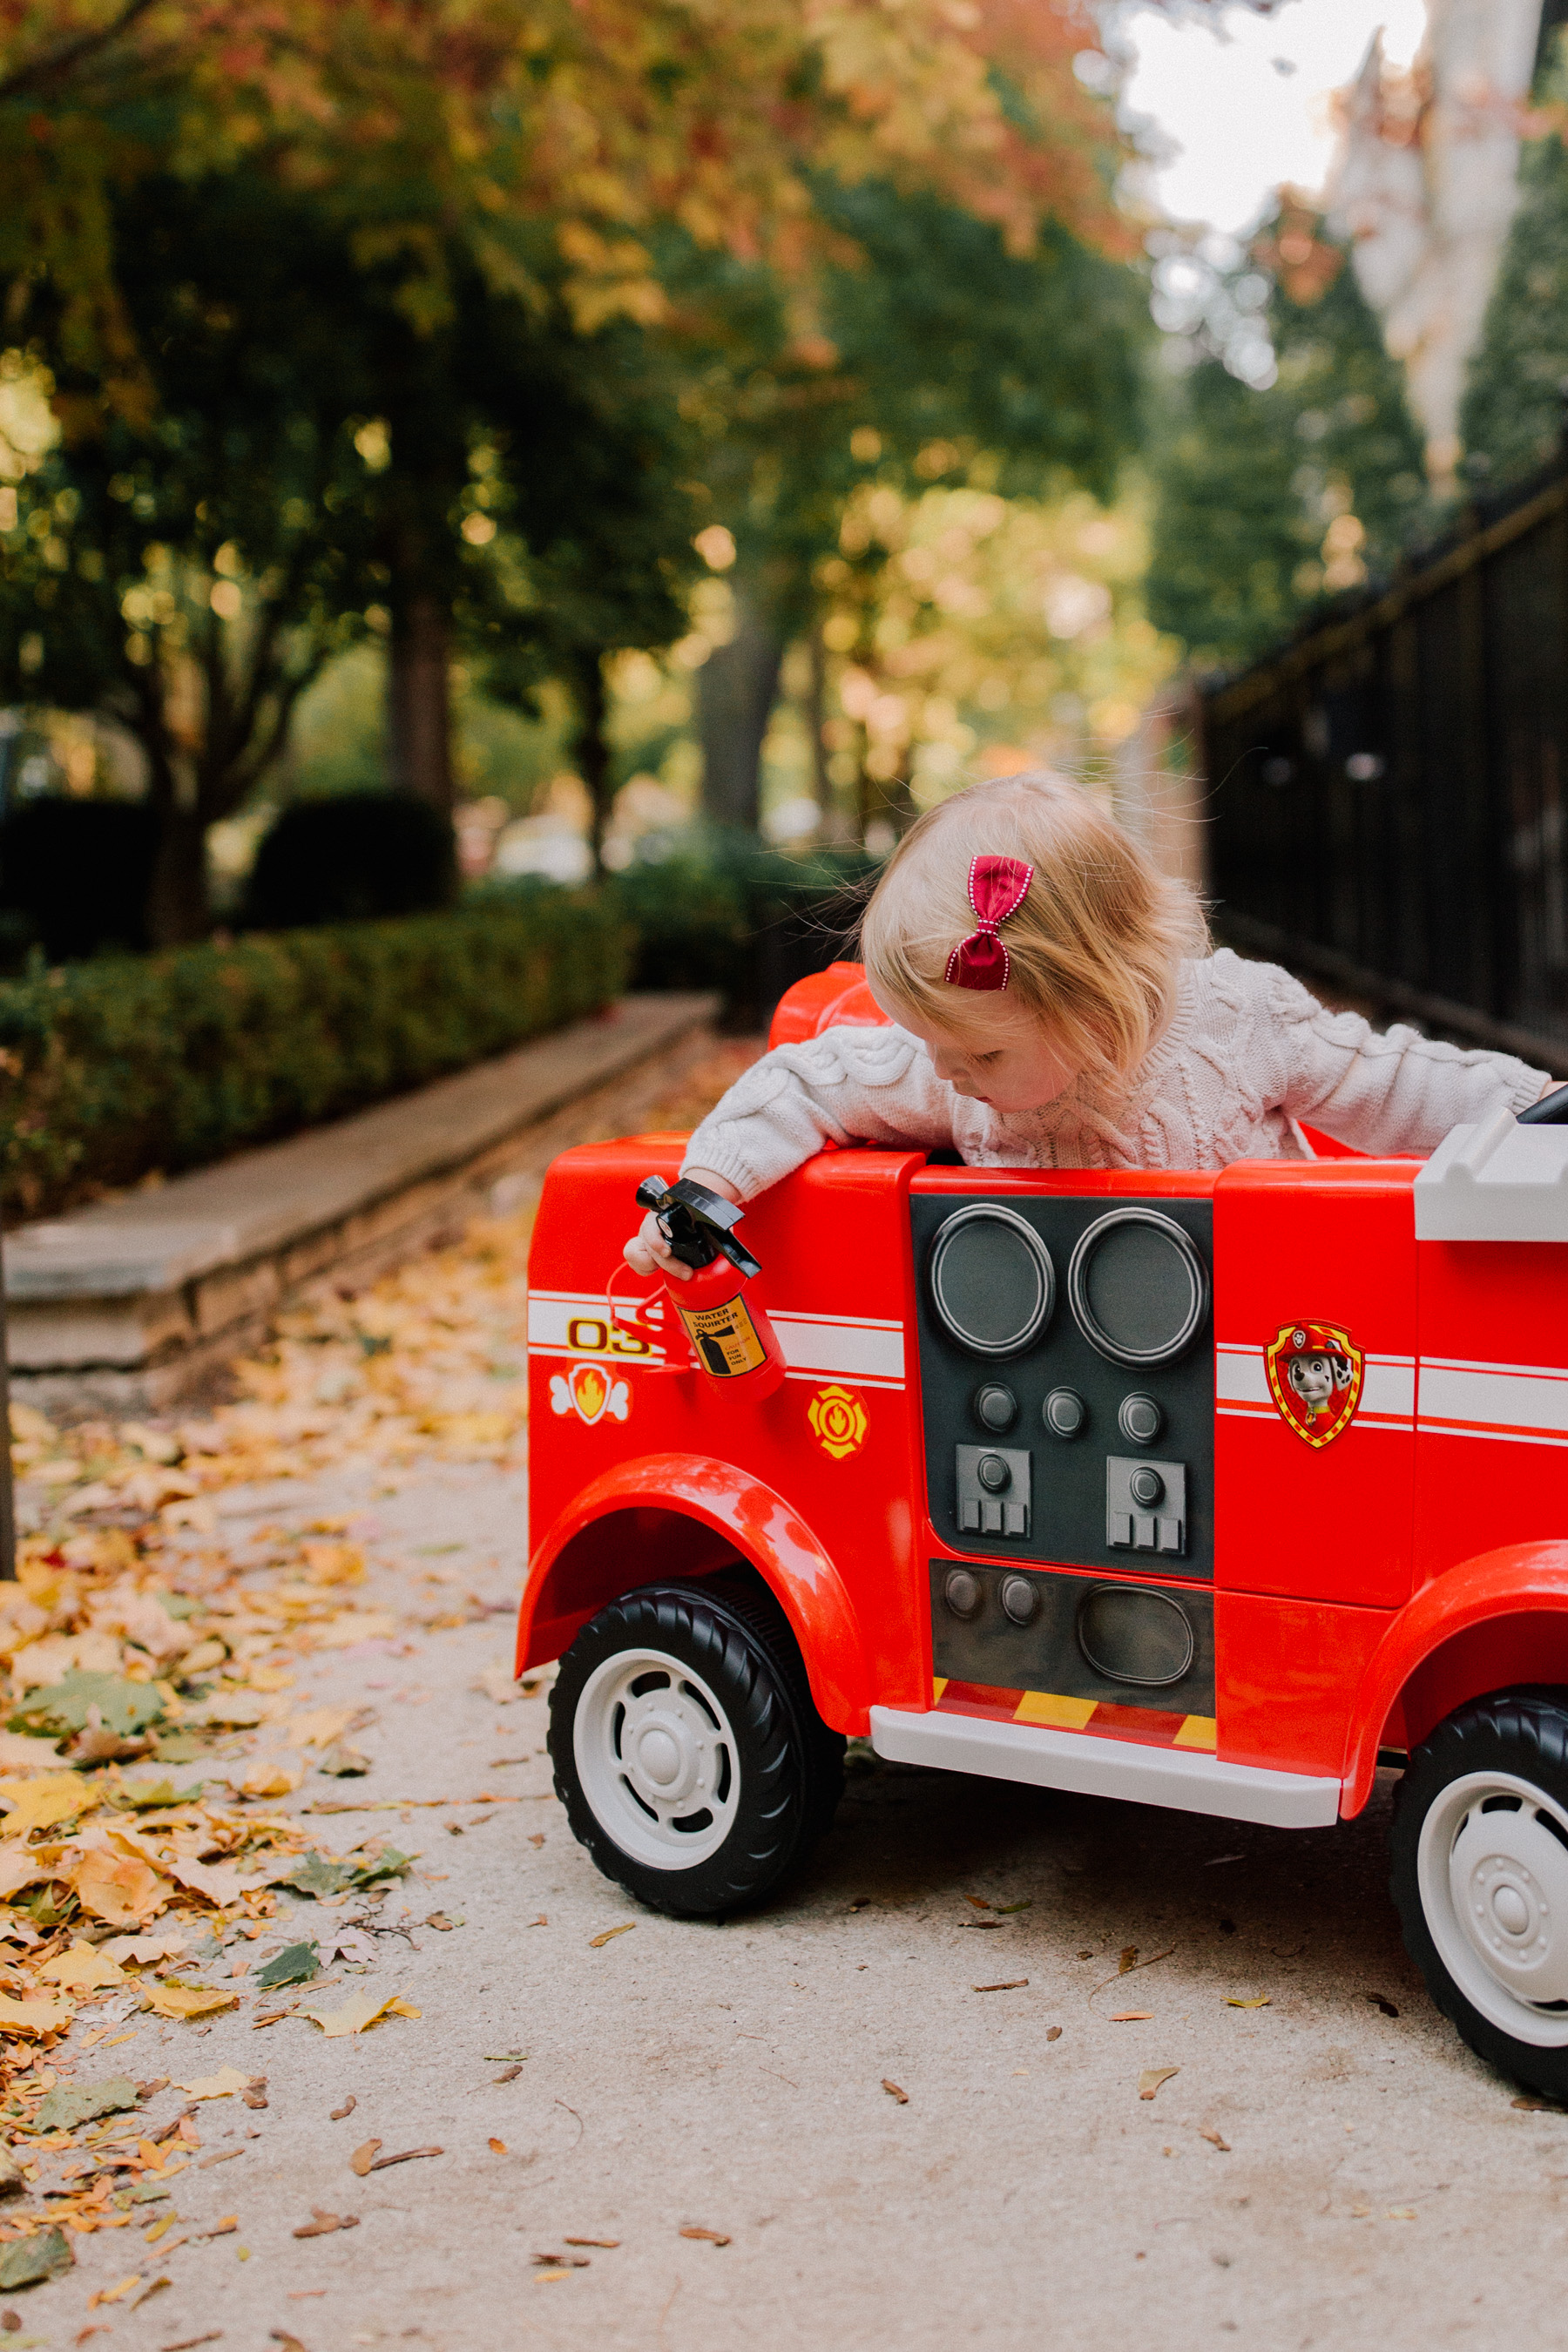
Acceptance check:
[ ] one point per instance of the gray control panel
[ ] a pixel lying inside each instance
(1145, 1505)
(1067, 1375)
(994, 1496)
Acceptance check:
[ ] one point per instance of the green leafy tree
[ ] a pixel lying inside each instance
(1269, 499)
(1512, 417)
(932, 348)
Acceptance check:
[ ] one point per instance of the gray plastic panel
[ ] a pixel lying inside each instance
(1067, 1481)
(1047, 1654)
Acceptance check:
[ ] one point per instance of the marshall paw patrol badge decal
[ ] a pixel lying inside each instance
(1315, 1376)
(590, 1391)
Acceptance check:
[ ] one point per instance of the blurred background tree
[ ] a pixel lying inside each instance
(1288, 464)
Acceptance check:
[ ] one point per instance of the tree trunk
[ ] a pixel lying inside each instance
(591, 750)
(419, 701)
(736, 689)
(177, 912)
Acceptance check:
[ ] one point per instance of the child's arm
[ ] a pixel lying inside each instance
(1386, 1091)
(848, 1085)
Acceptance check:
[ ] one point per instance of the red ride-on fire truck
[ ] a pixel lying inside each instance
(1207, 1491)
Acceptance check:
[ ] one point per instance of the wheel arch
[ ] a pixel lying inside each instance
(1484, 1626)
(689, 1515)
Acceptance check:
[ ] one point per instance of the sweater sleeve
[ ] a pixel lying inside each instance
(848, 1085)
(1385, 1090)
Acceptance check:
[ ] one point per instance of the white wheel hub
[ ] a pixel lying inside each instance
(656, 1757)
(1492, 1868)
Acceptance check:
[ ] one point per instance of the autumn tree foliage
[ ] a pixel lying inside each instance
(488, 399)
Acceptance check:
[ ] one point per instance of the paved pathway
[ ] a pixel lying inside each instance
(1322, 2170)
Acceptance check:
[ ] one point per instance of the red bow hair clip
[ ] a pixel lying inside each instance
(997, 888)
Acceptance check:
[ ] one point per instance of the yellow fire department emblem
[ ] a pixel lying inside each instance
(838, 1421)
(1315, 1372)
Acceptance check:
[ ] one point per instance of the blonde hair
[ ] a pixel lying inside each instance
(1094, 948)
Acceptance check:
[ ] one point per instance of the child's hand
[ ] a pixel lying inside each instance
(648, 1252)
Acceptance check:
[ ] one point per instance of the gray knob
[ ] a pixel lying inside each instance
(1066, 1413)
(996, 1407)
(1140, 1419)
(961, 1592)
(1019, 1599)
(1146, 1487)
(993, 1472)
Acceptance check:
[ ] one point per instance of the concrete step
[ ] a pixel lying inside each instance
(128, 1304)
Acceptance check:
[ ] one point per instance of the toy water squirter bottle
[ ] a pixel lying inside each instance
(730, 1336)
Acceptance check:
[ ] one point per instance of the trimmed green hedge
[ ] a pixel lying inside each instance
(113, 1068)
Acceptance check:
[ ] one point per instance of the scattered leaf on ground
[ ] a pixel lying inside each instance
(84, 1967)
(439, 1921)
(30, 2017)
(1214, 2140)
(894, 2093)
(31, 2261)
(1150, 2080)
(348, 2104)
(1130, 2016)
(605, 2242)
(364, 2157)
(610, 1934)
(296, 1964)
(1010, 1984)
(114, 2294)
(69, 2104)
(1053, 2034)
(362, 2009)
(1127, 1960)
(122, 1706)
(1252, 2000)
(221, 2085)
(180, 2000)
(1381, 2000)
(498, 2148)
(408, 2156)
(322, 2225)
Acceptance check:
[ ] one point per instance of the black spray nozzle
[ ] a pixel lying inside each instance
(695, 1223)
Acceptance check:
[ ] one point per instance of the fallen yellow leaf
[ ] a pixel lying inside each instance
(119, 1888)
(33, 2016)
(84, 1969)
(610, 1934)
(362, 2010)
(1257, 2000)
(320, 1726)
(271, 1779)
(179, 2000)
(221, 2085)
(38, 1804)
(1150, 2080)
(113, 2294)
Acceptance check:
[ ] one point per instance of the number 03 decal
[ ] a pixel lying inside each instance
(595, 1335)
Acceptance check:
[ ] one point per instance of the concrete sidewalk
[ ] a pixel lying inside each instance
(1332, 2169)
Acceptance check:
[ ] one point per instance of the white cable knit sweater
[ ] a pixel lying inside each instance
(1246, 1051)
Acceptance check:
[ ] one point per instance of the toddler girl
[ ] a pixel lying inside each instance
(1056, 1005)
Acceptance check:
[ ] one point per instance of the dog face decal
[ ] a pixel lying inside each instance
(1315, 1372)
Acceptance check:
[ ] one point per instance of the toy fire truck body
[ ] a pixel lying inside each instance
(1206, 1491)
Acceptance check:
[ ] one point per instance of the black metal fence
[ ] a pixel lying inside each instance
(1388, 793)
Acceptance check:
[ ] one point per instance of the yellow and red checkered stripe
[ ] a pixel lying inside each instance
(1148, 1726)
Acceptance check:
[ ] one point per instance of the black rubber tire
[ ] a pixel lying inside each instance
(1524, 1733)
(734, 1634)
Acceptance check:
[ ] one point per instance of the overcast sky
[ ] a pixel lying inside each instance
(1245, 106)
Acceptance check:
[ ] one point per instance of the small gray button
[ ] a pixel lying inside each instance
(996, 1477)
(968, 1518)
(996, 1407)
(961, 1592)
(1145, 1486)
(1065, 1412)
(1019, 1599)
(1140, 1419)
